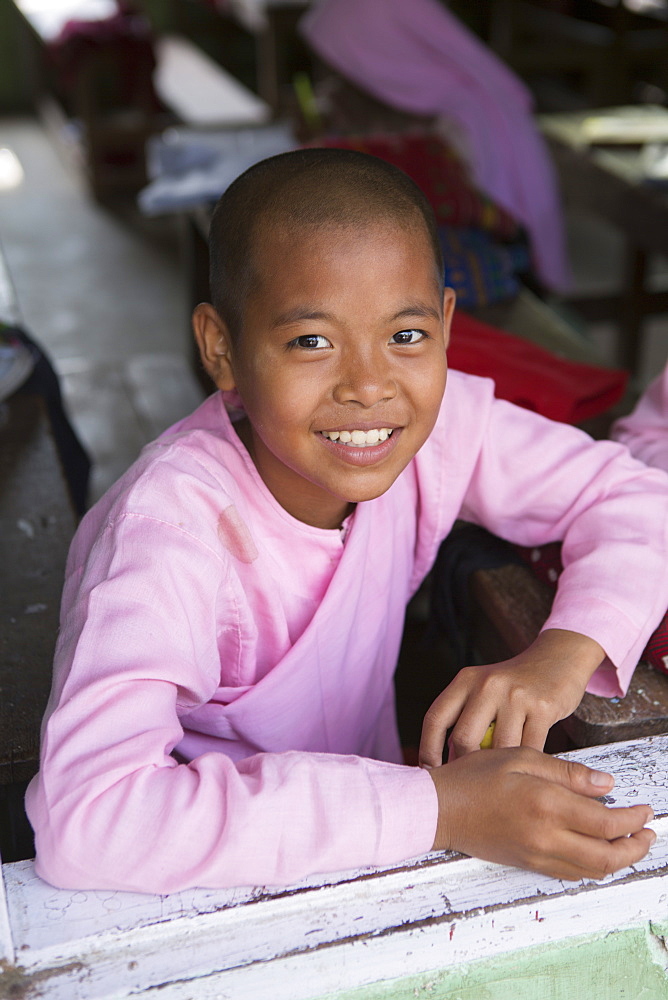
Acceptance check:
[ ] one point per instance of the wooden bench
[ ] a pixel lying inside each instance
(511, 608)
(104, 139)
(442, 925)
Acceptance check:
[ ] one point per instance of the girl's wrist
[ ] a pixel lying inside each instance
(583, 654)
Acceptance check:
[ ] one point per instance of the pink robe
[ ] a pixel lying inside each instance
(222, 709)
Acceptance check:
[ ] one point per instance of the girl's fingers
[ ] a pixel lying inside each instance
(599, 822)
(534, 733)
(471, 728)
(441, 715)
(597, 858)
(509, 729)
(570, 774)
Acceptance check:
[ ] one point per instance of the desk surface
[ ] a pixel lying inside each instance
(443, 924)
(621, 155)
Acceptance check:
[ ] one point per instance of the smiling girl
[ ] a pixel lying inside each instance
(222, 709)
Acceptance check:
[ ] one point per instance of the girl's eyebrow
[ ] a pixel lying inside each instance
(416, 309)
(301, 313)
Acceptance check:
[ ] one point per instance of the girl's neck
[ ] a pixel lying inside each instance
(308, 506)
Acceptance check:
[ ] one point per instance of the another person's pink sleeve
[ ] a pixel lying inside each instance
(645, 430)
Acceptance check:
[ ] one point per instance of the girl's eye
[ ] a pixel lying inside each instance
(310, 342)
(408, 337)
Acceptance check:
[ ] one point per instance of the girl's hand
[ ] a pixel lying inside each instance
(524, 696)
(519, 807)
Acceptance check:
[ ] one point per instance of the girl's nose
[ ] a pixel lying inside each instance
(365, 381)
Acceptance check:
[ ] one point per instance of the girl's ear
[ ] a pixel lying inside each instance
(449, 298)
(214, 343)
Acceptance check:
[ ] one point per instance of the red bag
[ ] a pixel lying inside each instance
(532, 376)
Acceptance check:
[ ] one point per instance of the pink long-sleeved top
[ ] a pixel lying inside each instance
(645, 431)
(222, 708)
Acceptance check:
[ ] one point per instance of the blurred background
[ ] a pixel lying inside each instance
(105, 258)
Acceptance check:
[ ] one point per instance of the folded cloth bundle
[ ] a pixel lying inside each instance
(481, 270)
(126, 39)
(189, 167)
(531, 376)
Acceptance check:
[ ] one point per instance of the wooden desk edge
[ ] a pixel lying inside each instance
(331, 935)
(512, 606)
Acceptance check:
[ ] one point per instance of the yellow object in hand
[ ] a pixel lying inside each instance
(487, 738)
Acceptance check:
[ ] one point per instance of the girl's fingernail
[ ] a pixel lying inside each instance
(601, 778)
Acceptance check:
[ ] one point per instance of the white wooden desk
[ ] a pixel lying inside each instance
(444, 927)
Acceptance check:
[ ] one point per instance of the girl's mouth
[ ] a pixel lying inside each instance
(358, 438)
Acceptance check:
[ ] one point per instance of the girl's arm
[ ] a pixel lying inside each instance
(535, 482)
(113, 809)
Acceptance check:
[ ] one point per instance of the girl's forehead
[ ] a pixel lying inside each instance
(346, 233)
(317, 249)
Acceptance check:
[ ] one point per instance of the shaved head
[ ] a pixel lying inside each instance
(306, 190)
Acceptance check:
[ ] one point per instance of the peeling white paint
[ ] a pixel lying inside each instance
(330, 933)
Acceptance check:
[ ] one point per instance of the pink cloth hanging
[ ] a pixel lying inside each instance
(418, 57)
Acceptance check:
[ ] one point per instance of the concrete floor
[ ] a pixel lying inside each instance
(104, 294)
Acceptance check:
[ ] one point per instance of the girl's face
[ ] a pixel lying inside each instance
(341, 364)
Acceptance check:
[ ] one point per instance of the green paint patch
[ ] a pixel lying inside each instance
(623, 965)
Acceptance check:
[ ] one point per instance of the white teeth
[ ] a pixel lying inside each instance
(359, 439)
